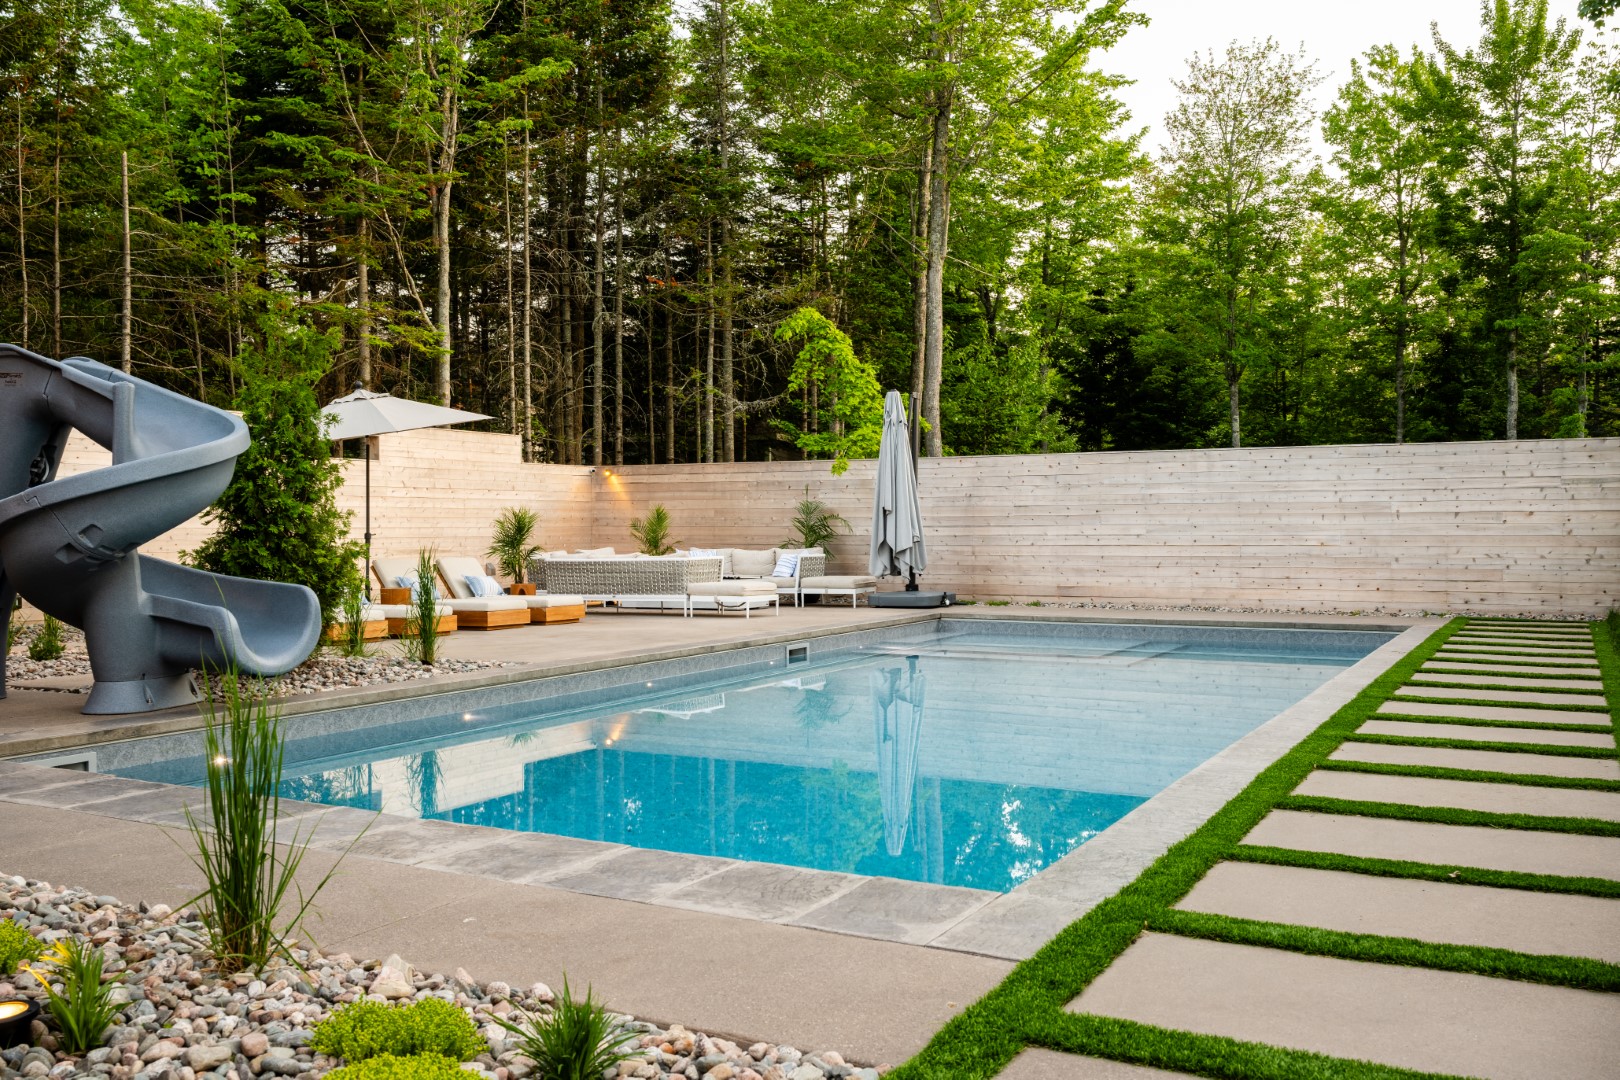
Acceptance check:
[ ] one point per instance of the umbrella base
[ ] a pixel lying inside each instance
(911, 599)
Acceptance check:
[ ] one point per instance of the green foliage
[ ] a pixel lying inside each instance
(580, 1040)
(250, 868)
(848, 423)
(83, 1006)
(47, 640)
(17, 946)
(513, 541)
(1002, 401)
(278, 520)
(353, 641)
(815, 524)
(652, 532)
(401, 1067)
(14, 629)
(369, 1029)
(421, 637)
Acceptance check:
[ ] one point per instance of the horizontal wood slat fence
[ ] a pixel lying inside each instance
(1489, 527)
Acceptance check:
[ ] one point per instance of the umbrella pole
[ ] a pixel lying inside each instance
(366, 573)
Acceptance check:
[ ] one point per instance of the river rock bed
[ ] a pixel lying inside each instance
(184, 1022)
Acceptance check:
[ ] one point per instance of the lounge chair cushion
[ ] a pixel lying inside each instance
(735, 587)
(487, 603)
(747, 563)
(456, 569)
(839, 582)
(551, 600)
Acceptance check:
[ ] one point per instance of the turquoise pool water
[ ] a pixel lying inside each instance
(975, 755)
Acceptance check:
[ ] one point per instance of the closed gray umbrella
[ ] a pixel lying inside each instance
(897, 539)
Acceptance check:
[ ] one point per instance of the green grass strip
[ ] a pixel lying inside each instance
(1449, 815)
(1027, 1007)
(1551, 749)
(1406, 693)
(1606, 639)
(1202, 1055)
(1483, 776)
(1402, 868)
(1436, 681)
(1581, 972)
(1475, 721)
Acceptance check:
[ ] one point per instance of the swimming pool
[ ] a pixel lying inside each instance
(958, 752)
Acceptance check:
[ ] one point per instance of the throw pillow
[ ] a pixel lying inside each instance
(746, 563)
(486, 586)
(787, 565)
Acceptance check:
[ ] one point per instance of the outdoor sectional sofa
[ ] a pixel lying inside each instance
(718, 578)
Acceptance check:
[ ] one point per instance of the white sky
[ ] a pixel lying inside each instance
(1332, 31)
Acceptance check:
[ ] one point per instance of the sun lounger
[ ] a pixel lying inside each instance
(458, 570)
(481, 613)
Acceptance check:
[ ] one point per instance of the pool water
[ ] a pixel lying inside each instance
(974, 757)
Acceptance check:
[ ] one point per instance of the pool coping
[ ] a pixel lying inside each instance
(1009, 926)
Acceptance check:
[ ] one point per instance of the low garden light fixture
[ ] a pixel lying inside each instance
(17, 1016)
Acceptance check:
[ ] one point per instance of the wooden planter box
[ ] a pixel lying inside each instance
(370, 630)
(492, 620)
(447, 623)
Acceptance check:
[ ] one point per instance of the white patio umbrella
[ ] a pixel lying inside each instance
(897, 539)
(363, 414)
(897, 698)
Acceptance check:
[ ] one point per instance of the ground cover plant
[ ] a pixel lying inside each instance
(1027, 1009)
(46, 643)
(17, 946)
(368, 1029)
(401, 1067)
(79, 1002)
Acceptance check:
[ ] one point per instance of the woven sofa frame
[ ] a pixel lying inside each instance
(614, 579)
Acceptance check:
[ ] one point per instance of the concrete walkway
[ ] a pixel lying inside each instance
(1410, 1017)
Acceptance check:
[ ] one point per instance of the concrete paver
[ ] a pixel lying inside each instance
(1446, 757)
(1523, 697)
(1520, 850)
(1554, 924)
(1495, 712)
(1040, 1064)
(1564, 639)
(874, 1001)
(1478, 795)
(1516, 680)
(895, 910)
(1468, 667)
(1418, 729)
(1436, 1021)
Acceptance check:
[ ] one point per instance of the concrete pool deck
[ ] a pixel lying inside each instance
(675, 938)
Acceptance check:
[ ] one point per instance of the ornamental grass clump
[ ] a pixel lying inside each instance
(83, 1007)
(249, 869)
(47, 642)
(17, 946)
(370, 1029)
(352, 643)
(580, 1040)
(421, 637)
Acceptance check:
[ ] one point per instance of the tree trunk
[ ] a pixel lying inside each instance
(1400, 374)
(598, 360)
(362, 274)
(919, 242)
(528, 292)
(938, 236)
(22, 223)
(1234, 373)
(516, 422)
(1513, 383)
(728, 399)
(56, 258)
(618, 311)
(126, 313)
(707, 421)
(669, 377)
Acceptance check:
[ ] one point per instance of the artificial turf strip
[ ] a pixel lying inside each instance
(1449, 815)
(1550, 749)
(1027, 1007)
(1484, 776)
(1475, 721)
(1580, 972)
(1402, 868)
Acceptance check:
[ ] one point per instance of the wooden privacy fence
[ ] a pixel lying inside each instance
(1525, 526)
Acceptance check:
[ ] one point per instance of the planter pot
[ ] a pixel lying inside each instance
(16, 1022)
(524, 589)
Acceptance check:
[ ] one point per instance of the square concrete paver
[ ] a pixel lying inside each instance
(1445, 757)
(1516, 680)
(896, 910)
(1524, 851)
(523, 857)
(1512, 714)
(762, 891)
(1038, 1064)
(1572, 641)
(1555, 924)
(636, 874)
(1507, 697)
(1490, 798)
(1419, 729)
(1436, 1021)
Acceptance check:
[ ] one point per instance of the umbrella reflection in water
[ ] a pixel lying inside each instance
(897, 698)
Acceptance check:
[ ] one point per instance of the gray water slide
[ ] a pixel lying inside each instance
(69, 546)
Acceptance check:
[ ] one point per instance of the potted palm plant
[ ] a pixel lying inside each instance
(652, 532)
(513, 544)
(815, 525)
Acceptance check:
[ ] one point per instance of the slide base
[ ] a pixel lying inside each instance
(141, 695)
